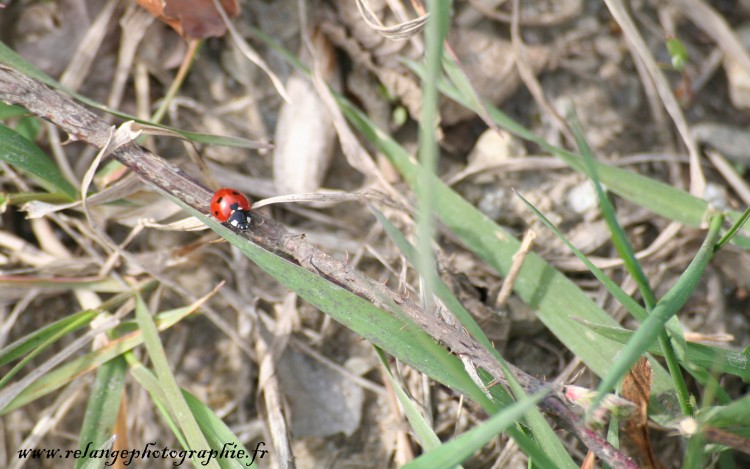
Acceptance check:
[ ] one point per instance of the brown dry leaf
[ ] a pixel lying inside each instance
(305, 134)
(192, 19)
(589, 462)
(636, 387)
(121, 426)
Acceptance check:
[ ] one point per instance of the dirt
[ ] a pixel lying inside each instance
(580, 59)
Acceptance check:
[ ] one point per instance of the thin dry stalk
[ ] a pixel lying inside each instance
(515, 268)
(641, 52)
(37, 98)
(526, 71)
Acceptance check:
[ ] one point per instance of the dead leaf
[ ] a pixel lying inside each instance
(121, 429)
(305, 134)
(589, 462)
(192, 19)
(636, 387)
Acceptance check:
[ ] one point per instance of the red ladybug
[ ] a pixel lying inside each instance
(229, 205)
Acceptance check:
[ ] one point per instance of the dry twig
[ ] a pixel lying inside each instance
(82, 124)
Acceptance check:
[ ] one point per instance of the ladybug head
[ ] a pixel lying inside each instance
(239, 219)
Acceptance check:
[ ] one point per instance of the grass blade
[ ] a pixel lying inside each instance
(614, 289)
(734, 229)
(219, 436)
(658, 197)
(24, 155)
(627, 254)
(554, 296)
(461, 448)
(77, 367)
(706, 356)
(440, 289)
(10, 58)
(619, 238)
(424, 433)
(390, 331)
(435, 31)
(541, 429)
(99, 463)
(667, 307)
(175, 401)
(40, 339)
(103, 407)
(549, 442)
(733, 415)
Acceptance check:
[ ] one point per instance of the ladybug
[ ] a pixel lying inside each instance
(230, 206)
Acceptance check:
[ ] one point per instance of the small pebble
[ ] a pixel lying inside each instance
(582, 198)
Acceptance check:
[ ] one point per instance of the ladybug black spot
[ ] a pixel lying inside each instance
(216, 212)
(219, 201)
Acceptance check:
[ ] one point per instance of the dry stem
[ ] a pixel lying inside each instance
(82, 124)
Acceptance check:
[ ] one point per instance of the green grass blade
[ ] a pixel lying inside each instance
(218, 435)
(10, 58)
(735, 414)
(77, 367)
(667, 307)
(627, 254)
(695, 456)
(221, 437)
(174, 399)
(734, 229)
(150, 382)
(28, 127)
(461, 448)
(540, 427)
(619, 238)
(635, 309)
(440, 289)
(43, 337)
(103, 407)
(424, 433)
(544, 435)
(706, 356)
(554, 296)
(8, 393)
(99, 463)
(435, 31)
(31, 160)
(7, 111)
(67, 325)
(390, 331)
(660, 198)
